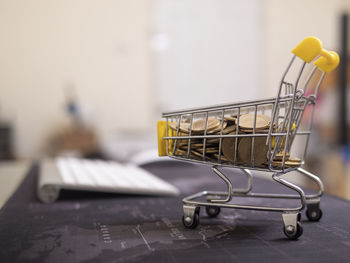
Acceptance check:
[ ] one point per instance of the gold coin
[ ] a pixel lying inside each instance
(228, 148)
(179, 144)
(211, 158)
(230, 118)
(208, 145)
(226, 130)
(279, 156)
(229, 129)
(246, 121)
(195, 141)
(213, 141)
(184, 127)
(180, 152)
(199, 125)
(290, 162)
(208, 150)
(200, 145)
(217, 129)
(186, 120)
(182, 143)
(287, 164)
(294, 159)
(197, 145)
(259, 131)
(260, 150)
(223, 158)
(195, 153)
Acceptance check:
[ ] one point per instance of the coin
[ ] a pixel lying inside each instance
(208, 150)
(259, 131)
(229, 129)
(184, 126)
(287, 164)
(198, 154)
(292, 162)
(218, 129)
(215, 157)
(179, 142)
(217, 126)
(199, 125)
(228, 148)
(199, 144)
(214, 140)
(196, 148)
(186, 120)
(231, 118)
(279, 156)
(260, 150)
(246, 121)
(179, 152)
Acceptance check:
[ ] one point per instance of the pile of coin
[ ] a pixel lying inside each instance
(240, 154)
(243, 151)
(194, 148)
(289, 161)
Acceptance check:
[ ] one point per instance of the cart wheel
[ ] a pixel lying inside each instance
(191, 224)
(289, 231)
(314, 214)
(212, 211)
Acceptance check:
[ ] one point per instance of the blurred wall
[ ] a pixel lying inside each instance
(204, 52)
(99, 47)
(286, 23)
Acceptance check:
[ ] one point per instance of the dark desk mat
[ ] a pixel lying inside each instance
(88, 227)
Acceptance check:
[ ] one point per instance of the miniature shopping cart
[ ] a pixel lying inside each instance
(290, 116)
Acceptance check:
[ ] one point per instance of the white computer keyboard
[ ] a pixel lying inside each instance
(97, 175)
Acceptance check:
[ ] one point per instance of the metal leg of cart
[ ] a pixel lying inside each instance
(291, 216)
(291, 219)
(313, 211)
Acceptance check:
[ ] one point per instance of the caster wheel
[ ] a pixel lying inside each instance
(191, 224)
(289, 231)
(314, 214)
(212, 211)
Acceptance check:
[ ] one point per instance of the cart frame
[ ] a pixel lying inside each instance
(286, 111)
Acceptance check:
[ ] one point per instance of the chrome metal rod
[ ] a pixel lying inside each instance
(312, 113)
(229, 106)
(190, 201)
(231, 136)
(229, 186)
(250, 182)
(316, 180)
(249, 195)
(276, 177)
(212, 163)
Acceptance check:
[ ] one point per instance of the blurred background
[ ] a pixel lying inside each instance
(91, 78)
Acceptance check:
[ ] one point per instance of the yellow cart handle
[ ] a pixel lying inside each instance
(327, 64)
(310, 48)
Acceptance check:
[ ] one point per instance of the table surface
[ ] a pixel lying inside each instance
(90, 227)
(12, 174)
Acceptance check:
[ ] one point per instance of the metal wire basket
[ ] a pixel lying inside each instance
(268, 149)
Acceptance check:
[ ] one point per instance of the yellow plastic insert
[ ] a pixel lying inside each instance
(282, 142)
(161, 127)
